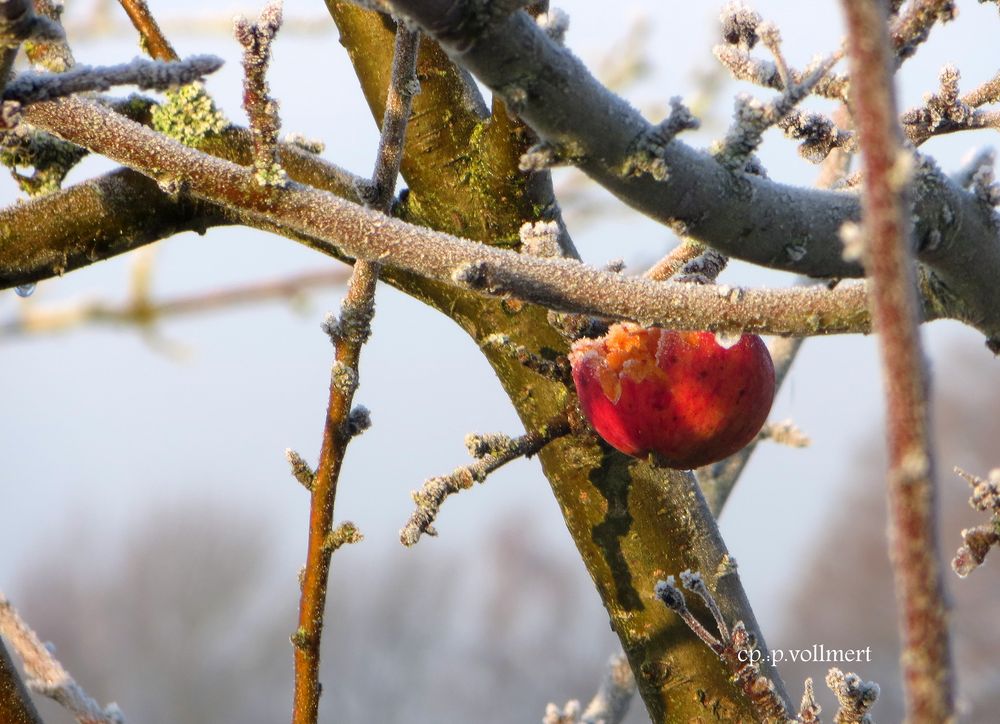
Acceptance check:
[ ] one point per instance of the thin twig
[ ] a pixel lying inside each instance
(687, 250)
(503, 450)
(349, 335)
(152, 38)
(926, 658)
(47, 676)
(854, 697)
(35, 320)
(735, 646)
(913, 26)
(561, 101)
(146, 74)
(986, 92)
(261, 108)
(977, 541)
(611, 702)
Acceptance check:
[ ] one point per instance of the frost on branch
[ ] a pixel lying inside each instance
(610, 704)
(735, 647)
(739, 25)
(492, 452)
(46, 676)
(34, 87)
(262, 109)
(978, 541)
(855, 697)
(541, 238)
(648, 155)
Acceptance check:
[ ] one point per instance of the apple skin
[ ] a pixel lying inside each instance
(678, 395)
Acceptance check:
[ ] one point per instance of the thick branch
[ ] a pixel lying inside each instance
(338, 226)
(745, 216)
(96, 219)
(124, 210)
(15, 702)
(616, 509)
(926, 659)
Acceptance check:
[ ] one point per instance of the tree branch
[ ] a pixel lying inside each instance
(47, 676)
(338, 226)
(349, 334)
(151, 37)
(500, 452)
(926, 659)
(143, 311)
(745, 216)
(15, 702)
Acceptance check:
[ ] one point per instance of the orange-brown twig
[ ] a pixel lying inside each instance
(153, 39)
(349, 334)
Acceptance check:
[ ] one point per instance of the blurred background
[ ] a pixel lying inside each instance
(152, 531)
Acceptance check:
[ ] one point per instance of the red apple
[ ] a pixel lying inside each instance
(680, 395)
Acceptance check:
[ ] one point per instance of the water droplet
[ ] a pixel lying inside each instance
(24, 290)
(727, 339)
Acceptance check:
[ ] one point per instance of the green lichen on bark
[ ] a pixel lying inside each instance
(189, 115)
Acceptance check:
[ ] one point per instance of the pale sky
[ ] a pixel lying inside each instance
(101, 427)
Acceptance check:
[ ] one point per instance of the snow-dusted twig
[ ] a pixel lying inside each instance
(499, 451)
(146, 74)
(610, 704)
(754, 117)
(559, 284)
(809, 710)
(343, 422)
(784, 433)
(734, 646)
(855, 697)
(913, 25)
(32, 87)
(262, 110)
(300, 469)
(687, 250)
(977, 541)
(703, 269)
(47, 676)
(338, 226)
(18, 22)
(926, 659)
(948, 112)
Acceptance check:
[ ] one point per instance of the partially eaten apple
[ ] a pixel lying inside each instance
(682, 396)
